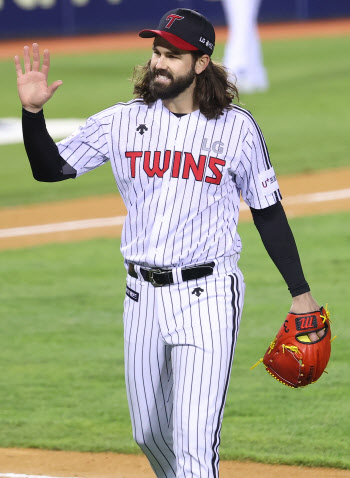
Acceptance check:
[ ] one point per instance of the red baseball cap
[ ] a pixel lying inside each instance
(186, 29)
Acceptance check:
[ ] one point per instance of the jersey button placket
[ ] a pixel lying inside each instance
(157, 243)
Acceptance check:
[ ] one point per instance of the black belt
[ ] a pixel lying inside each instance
(160, 277)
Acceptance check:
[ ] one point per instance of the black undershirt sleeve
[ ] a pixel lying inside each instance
(279, 242)
(45, 160)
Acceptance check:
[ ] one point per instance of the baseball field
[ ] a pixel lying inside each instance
(63, 406)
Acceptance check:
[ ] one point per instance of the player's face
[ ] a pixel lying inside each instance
(172, 70)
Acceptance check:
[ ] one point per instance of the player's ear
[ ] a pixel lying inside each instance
(201, 63)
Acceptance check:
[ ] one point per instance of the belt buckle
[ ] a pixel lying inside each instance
(152, 279)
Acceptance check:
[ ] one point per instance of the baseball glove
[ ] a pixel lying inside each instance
(292, 358)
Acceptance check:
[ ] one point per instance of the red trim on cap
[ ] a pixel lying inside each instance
(170, 37)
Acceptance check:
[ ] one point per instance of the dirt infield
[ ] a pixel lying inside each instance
(294, 188)
(131, 41)
(111, 465)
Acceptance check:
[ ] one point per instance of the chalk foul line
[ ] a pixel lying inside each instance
(119, 220)
(311, 198)
(62, 226)
(11, 128)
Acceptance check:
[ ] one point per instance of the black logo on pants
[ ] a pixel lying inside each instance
(132, 294)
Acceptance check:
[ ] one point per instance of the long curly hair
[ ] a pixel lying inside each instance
(213, 93)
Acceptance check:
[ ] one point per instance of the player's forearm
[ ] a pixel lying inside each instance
(279, 242)
(45, 160)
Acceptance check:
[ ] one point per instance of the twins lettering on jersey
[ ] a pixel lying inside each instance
(182, 164)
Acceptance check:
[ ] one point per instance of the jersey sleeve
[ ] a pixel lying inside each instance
(86, 148)
(254, 174)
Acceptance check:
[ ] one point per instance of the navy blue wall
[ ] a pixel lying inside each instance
(21, 18)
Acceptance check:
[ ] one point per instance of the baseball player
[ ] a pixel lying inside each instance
(243, 55)
(182, 154)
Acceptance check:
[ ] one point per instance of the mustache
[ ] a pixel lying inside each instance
(165, 73)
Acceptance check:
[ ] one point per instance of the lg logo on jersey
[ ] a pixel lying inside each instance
(217, 147)
(183, 165)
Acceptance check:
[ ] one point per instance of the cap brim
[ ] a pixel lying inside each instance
(170, 37)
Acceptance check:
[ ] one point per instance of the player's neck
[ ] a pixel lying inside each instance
(183, 103)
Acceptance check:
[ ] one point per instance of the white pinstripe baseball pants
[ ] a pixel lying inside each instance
(179, 347)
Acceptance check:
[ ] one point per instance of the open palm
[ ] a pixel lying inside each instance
(32, 85)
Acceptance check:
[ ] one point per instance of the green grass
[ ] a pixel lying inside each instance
(61, 339)
(61, 350)
(91, 83)
(264, 420)
(304, 115)
(61, 347)
(19, 188)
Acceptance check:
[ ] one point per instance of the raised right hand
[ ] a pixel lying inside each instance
(32, 85)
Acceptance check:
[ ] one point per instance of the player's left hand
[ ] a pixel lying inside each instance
(303, 304)
(301, 349)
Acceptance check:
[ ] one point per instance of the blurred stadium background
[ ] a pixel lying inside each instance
(61, 345)
(19, 18)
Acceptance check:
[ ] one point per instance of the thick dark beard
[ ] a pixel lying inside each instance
(174, 89)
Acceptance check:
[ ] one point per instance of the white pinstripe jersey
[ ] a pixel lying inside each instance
(180, 178)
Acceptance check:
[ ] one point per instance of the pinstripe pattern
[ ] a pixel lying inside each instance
(149, 380)
(178, 355)
(172, 220)
(181, 180)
